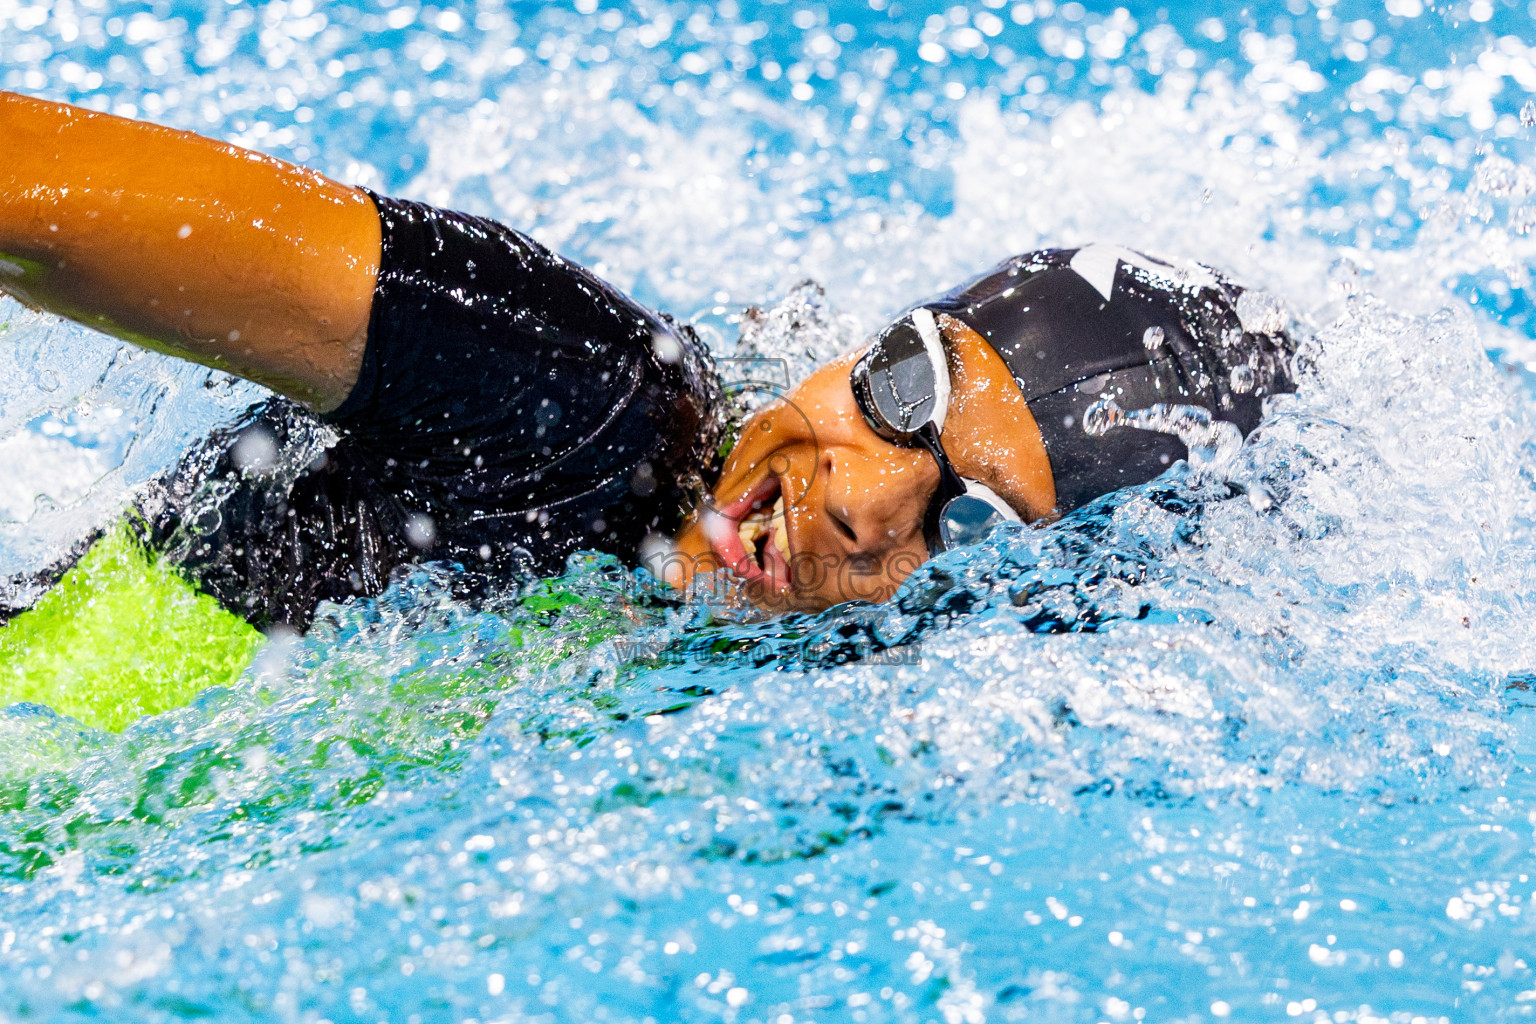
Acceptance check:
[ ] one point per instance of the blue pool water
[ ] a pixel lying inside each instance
(1254, 742)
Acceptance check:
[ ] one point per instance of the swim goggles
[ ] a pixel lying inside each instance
(902, 388)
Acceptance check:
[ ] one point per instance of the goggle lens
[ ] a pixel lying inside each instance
(902, 382)
(968, 518)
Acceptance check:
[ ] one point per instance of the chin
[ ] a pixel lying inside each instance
(789, 600)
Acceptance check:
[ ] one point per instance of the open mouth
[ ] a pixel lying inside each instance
(750, 536)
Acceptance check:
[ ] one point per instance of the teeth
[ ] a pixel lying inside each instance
(767, 522)
(754, 528)
(780, 528)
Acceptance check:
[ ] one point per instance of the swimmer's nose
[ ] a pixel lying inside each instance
(840, 519)
(863, 503)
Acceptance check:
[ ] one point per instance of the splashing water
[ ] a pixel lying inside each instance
(1211, 442)
(1252, 740)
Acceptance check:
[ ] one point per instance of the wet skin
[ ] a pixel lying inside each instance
(188, 246)
(853, 503)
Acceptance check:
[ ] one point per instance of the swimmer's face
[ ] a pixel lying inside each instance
(814, 508)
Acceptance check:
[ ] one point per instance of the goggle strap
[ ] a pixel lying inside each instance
(928, 330)
(950, 483)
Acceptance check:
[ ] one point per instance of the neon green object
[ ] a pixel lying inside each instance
(121, 636)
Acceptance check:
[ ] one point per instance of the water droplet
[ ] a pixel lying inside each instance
(1242, 379)
(1344, 278)
(1528, 114)
(1152, 339)
(420, 530)
(255, 451)
(1260, 313)
(1497, 176)
(1101, 416)
(667, 348)
(205, 521)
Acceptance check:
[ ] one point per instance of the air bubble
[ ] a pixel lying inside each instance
(1242, 379)
(1152, 339)
(1528, 114)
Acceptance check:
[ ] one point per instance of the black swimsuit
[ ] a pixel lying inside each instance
(511, 409)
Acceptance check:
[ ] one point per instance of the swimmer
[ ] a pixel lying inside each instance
(492, 405)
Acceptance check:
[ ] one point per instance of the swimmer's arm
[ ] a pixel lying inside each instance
(187, 246)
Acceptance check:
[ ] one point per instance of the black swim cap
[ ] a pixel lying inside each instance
(1076, 326)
